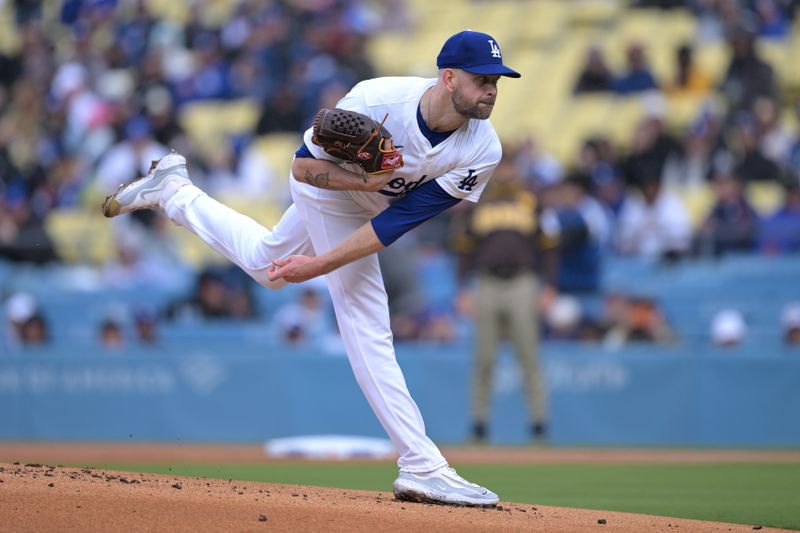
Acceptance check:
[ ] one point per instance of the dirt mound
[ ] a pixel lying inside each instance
(37, 497)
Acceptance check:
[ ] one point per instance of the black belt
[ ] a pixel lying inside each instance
(507, 272)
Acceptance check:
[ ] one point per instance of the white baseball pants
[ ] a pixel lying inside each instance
(317, 221)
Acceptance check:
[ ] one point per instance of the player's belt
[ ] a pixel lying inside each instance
(506, 272)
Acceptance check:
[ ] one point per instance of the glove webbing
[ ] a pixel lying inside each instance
(374, 134)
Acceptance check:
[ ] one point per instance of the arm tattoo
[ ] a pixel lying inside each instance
(321, 180)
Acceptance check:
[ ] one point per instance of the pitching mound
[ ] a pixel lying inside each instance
(37, 497)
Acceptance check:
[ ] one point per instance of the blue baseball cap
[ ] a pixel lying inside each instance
(474, 52)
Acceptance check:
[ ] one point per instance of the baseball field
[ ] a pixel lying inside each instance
(238, 488)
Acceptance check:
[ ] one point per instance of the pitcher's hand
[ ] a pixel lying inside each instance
(295, 269)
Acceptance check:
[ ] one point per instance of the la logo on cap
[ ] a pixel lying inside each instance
(495, 49)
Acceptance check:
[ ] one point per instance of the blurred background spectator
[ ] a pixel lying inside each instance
(110, 335)
(576, 222)
(25, 324)
(773, 23)
(732, 225)
(142, 259)
(538, 168)
(652, 146)
(790, 324)
(305, 323)
(780, 232)
(748, 76)
(595, 76)
(22, 234)
(145, 323)
(636, 319)
(34, 331)
(689, 77)
(563, 318)
(728, 328)
(129, 158)
(654, 224)
(638, 77)
(216, 296)
(753, 164)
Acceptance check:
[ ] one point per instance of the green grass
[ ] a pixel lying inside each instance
(747, 493)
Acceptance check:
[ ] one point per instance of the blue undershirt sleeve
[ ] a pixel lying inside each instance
(303, 151)
(424, 202)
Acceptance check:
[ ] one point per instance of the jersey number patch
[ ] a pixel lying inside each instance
(469, 182)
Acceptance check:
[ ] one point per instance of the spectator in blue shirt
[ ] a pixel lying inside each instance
(794, 151)
(578, 223)
(772, 20)
(639, 77)
(780, 232)
(732, 225)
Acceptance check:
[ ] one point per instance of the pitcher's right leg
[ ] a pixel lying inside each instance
(235, 236)
(238, 237)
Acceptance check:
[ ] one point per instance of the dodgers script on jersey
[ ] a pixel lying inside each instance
(462, 164)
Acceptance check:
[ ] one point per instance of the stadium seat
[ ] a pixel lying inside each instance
(547, 20)
(81, 236)
(580, 117)
(713, 59)
(792, 75)
(682, 110)
(395, 46)
(9, 34)
(777, 54)
(638, 25)
(214, 13)
(626, 113)
(594, 13)
(209, 121)
(278, 149)
(698, 202)
(766, 198)
(174, 11)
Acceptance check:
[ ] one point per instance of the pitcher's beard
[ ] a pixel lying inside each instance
(476, 110)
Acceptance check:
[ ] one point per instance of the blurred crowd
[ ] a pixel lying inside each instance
(93, 91)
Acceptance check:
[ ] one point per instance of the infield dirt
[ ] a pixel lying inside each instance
(37, 497)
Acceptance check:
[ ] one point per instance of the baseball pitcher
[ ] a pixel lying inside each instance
(392, 154)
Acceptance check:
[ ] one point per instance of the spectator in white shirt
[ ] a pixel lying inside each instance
(655, 225)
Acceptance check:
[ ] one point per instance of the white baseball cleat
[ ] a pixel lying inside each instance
(443, 485)
(145, 192)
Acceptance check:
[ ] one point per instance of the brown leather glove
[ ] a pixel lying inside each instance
(358, 138)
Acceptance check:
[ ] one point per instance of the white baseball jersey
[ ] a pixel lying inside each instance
(462, 164)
